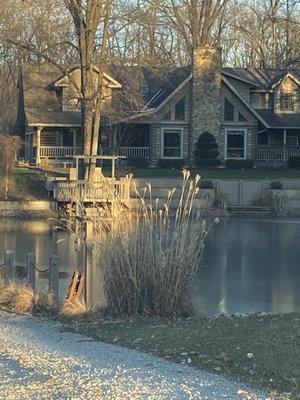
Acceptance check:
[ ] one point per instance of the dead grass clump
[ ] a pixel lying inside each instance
(74, 308)
(21, 298)
(17, 298)
(44, 303)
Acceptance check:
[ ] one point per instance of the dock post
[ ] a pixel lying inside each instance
(30, 269)
(54, 275)
(9, 261)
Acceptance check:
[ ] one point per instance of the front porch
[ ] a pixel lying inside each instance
(275, 147)
(46, 144)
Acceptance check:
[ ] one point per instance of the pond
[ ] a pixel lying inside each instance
(248, 265)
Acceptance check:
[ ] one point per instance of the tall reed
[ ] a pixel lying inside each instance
(148, 257)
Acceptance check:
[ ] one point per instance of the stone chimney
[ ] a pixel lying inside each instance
(206, 91)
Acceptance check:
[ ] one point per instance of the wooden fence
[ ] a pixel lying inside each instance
(26, 273)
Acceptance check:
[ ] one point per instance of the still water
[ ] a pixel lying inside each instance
(248, 265)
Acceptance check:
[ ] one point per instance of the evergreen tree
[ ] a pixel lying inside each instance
(206, 152)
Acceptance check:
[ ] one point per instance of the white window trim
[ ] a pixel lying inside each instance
(245, 143)
(181, 130)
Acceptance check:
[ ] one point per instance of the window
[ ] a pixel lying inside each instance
(292, 141)
(242, 118)
(228, 111)
(287, 101)
(172, 143)
(180, 110)
(144, 89)
(236, 144)
(263, 139)
(260, 100)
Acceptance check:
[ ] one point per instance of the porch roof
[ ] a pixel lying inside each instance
(53, 118)
(280, 120)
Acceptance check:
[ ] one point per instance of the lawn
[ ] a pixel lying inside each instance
(29, 183)
(263, 351)
(219, 173)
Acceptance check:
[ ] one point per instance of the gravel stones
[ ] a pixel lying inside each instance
(38, 362)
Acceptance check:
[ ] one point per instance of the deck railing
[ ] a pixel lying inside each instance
(59, 151)
(104, 191)
(129, 152)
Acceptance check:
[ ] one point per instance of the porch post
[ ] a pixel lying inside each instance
(38, 144)
(74, 131)
(284, 146)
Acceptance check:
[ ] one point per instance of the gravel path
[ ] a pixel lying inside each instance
(37, 362)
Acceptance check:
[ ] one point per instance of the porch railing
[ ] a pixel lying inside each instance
(129, 152)
(59, 151)
(279, 155)
(266, 154)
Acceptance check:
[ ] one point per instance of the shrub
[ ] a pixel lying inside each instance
(149, 258)
(239, 164)
(73, 308)
(206, 184)
(138, 162)
(206, 152)
(22, 299)
(170, 163)
(276, 185)
(263, 199)
(294, 162)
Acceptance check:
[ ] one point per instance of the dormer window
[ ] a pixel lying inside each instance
(144, 89)
(287, 101)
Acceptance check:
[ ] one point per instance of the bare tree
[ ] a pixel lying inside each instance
(198, 22)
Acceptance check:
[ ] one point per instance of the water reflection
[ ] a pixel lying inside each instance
(39, 237)
(248, 265)
(251, 266)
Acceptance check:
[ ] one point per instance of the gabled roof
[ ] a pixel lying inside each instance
(63, 80)
(41, 104)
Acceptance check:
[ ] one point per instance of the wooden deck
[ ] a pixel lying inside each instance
(105, 191)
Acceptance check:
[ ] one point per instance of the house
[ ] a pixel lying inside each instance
(253, 113)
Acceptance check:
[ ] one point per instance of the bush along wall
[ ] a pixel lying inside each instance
(294, 162)
(171, 163)
(239, 164)
(207, 151)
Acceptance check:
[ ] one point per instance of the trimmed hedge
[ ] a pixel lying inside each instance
(206, 151)
(171, 163)
(294, 162)
(239, 164)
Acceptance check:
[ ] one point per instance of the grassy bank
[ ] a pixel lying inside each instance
(25, 184)
(263, 351)
(219, 173)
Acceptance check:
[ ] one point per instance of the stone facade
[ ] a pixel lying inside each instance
(206, 92)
